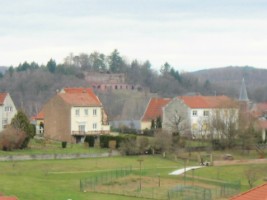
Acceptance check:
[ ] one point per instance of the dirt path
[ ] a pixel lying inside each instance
(239, 162)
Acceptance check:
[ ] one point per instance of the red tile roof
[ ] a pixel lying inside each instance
(259, 109)
(80, 97)
(2, 98)
(89, 91)
(154, 108)
(258, 193)
(40, 115)
(8, 198)
(208, 101)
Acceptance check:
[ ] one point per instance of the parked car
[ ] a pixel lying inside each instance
(228, 157)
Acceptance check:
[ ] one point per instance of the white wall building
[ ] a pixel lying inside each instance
(7, 110)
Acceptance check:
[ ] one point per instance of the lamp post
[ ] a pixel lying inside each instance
(140, 178)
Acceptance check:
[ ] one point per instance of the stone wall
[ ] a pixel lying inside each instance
(54, 156)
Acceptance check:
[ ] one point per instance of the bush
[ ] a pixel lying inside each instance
(64, 144)
(12, 138)
(104, 140)
(218, 144)
(90, 139)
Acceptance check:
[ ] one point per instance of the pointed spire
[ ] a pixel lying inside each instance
(243, 96)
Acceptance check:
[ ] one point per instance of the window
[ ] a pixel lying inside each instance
(206, 113)
(4, 122)
(194, 112)
(8, 108)
(94, 112)
(86, 112)
(77, 112)
(82, 128)
(94, 125)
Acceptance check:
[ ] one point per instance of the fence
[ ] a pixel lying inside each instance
(216, 189)
(125, 181)
(89, 184)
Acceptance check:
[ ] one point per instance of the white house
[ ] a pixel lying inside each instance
(74, 113)
(7, 110)
(197, 114)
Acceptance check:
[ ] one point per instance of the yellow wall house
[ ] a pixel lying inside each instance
(153, 111)
(7, 110)
(74, 113)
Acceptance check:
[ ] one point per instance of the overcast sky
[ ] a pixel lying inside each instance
(189, 34)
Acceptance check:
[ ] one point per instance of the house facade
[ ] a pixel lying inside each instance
(7, 110)
(259, 112)
(197, 114)
(154, 111)
(74, 113)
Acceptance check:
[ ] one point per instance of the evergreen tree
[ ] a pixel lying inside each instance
(22, 123)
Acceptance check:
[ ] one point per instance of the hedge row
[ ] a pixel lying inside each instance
(104, 140)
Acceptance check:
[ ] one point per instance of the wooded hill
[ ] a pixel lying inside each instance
(31, 85)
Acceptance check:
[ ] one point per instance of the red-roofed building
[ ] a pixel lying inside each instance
(74, 113)
(153, 111)
(8, 198)
(194, 114)
(258, 193)
(7, 110)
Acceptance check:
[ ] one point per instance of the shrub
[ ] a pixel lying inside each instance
(12, 138)
(64, 144)
(90, 139)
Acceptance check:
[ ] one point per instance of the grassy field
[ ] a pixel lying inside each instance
(60, 179)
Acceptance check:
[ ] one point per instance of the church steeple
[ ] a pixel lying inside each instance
(243, 96)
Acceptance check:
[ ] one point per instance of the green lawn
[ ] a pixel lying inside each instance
(59, 179)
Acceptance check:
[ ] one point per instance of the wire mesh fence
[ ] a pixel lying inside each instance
(90, 183)
(213, 189)
(126, 182)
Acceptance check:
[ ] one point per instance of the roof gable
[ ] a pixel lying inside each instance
(208, 101)
(154, 108)
(2, 98)
(258, 193)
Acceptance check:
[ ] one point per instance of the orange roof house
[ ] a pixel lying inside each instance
(258, 193)
(74, 113)
(191, 114)
(153, 110)
(201, 102)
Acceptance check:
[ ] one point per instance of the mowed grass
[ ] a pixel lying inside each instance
(59, 179)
